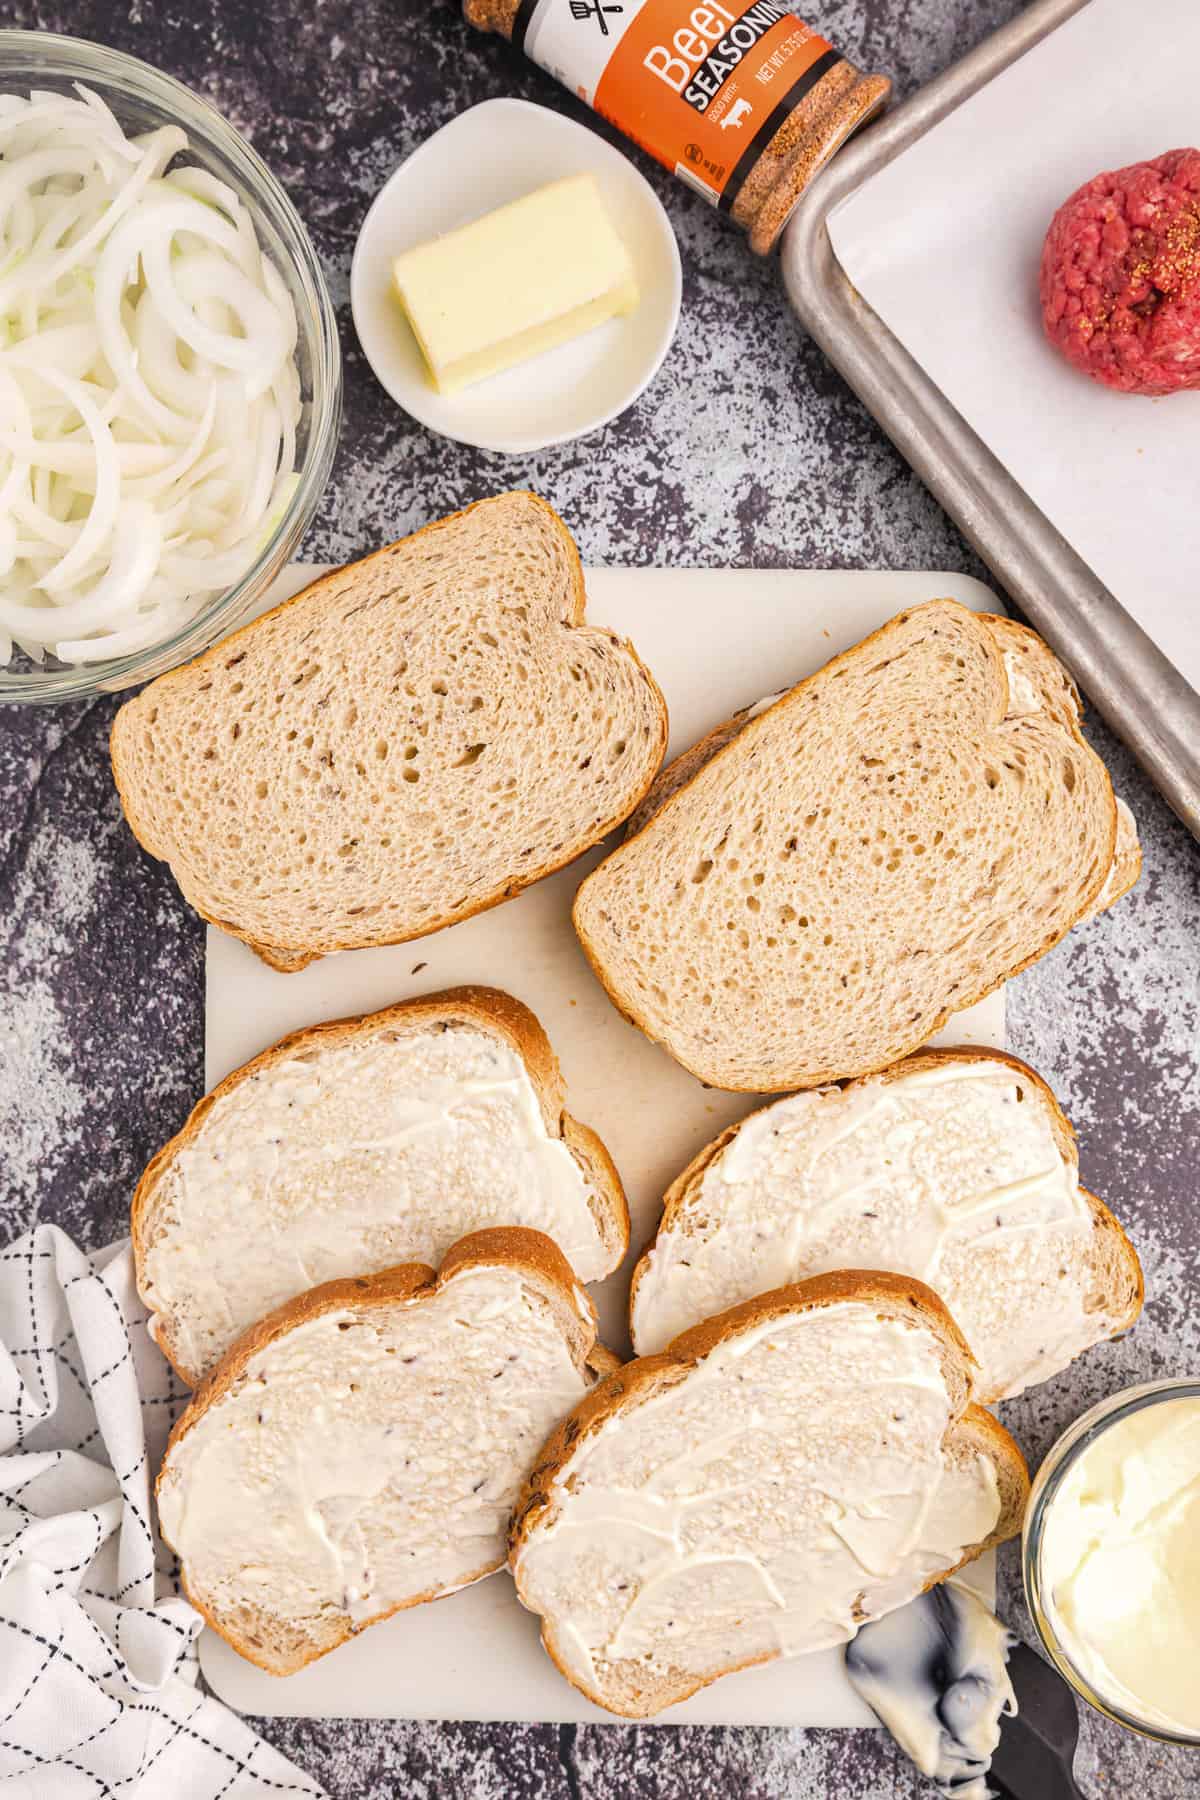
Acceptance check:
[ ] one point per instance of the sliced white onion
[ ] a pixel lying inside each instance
(160, 148)
(137, 547)
(149, 394)
(102, 511)
(72, 347)
(178, 284)
(186, 390)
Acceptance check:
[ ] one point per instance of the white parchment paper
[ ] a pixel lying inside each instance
(944, 243)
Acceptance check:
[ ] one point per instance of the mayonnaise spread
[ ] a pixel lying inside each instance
(386, 1149)
(1127, 840)
(1119, 1564)
(1022, 695)
(764, 705)
(953, 1175)
(368, 1458)
(789, 1486)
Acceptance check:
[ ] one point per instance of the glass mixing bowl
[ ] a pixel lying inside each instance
(1061, 1458)
(142, 99)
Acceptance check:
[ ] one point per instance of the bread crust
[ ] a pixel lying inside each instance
(1103, 1221)
(530, 1253)
(1107, 1225)
(288, 959)
(680, 770)
(725, 739)
(1063, 701)
(487, 1009)
(637, 1381)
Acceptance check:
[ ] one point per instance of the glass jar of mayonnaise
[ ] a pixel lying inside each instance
(1111, 1557)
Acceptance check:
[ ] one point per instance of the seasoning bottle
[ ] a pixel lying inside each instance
(744, 103)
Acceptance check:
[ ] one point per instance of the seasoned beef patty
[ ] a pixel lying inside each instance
(1120, 276)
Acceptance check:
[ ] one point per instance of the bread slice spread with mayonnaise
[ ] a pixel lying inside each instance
(778, 1476)
(359, 1451)
(812, 890)
(355, 1145)
(956, 1166)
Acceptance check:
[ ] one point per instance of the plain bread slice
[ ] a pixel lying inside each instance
(412, 739)
(879, 848)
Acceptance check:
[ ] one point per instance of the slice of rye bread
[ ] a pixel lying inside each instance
(1029, 658)
(340, 1185)
(746, 1491)
(821, 885)
(1028, 1300)
(359, 1450)
(409, 741)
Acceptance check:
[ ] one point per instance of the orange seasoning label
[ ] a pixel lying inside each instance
(703, 87)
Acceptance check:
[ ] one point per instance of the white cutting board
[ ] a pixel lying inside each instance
(716, 640)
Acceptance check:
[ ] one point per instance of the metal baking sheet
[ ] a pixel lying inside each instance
(1125, 675)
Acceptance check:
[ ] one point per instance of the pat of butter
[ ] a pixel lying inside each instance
(514, 283)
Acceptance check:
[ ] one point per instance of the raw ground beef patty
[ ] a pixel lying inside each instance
(1120, 277)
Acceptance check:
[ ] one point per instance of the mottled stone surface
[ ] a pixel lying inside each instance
(748, 449)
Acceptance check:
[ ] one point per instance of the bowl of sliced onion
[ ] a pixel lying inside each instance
(170, 378)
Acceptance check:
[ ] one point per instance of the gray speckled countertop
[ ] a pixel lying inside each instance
(747, 449)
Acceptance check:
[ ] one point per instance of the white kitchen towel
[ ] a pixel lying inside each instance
(97, 1646)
